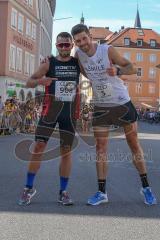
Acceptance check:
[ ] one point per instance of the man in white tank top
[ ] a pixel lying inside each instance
(112, 106)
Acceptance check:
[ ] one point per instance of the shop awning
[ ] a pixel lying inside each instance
(11, 93)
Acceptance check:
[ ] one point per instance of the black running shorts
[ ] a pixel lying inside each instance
(47, 124)
(117, 115)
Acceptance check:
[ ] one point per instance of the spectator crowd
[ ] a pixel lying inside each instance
(16, 117)
(149, 115)
(19, 117)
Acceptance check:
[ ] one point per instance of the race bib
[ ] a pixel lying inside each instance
(65, 91)
(104, 92)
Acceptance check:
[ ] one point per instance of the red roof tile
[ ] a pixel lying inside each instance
(118, 38)
(99, 32)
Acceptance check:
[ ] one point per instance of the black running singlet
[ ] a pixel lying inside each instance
(65, 88)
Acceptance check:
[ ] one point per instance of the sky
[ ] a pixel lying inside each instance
(104, 13)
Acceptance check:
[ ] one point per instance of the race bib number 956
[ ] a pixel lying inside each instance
(65, 90)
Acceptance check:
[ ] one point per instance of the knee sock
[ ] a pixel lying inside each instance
(63, 184)
(30, 180)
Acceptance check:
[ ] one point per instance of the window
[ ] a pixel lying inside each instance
(29, 67)
(32, 64)
(14, 18)
(139, 57)
(33, 31)
(152, 88)
(127, 55)
(20, 23)
(30, 2)
(28, 28)
(19, 60)
(140, 32)
(139, 43)
(138, 87)
(152, 58)
(27, 64)
(153, 43)
(12, 58)
(126, 41)
(139, 72)
(152, 73)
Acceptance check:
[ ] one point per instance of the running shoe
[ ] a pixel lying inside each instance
(65, 199)
(98, 198)
(26, 196)
(149, 197)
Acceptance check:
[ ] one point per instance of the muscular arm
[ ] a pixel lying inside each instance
(36, 78)
(126, 67)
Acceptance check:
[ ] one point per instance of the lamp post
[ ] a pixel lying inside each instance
(57, 19)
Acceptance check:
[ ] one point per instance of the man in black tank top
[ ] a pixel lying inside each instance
(61, 84)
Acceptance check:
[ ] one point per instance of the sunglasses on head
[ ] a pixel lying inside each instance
(61, 45)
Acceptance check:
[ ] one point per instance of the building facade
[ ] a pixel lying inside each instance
(20, 48)
(142, 47)
(46, 13)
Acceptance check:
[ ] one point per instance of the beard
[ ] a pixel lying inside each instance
(65, 54)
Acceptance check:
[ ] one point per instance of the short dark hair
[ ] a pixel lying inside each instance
(64, 35)
(79, 28)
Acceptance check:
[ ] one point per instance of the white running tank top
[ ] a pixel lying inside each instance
(107, 90)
